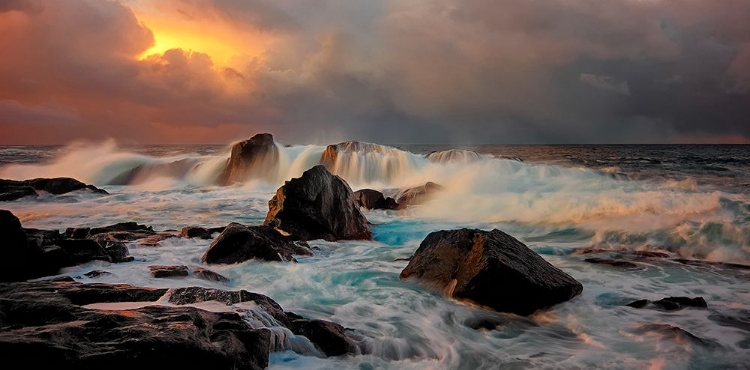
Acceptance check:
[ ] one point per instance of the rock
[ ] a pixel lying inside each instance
(239, 243)
(12, 190)
(417, 194)
(373, 199)
(328, 336)
(19, 257)
(83, 250)
(454, 155)
(96, 273)
(671, 303)
(168, 271)
(333, 152)
(318, 205)
(614, 263)
(492, 269)
(256, 157)
(195, 232)
(205, 274)
(40, 318)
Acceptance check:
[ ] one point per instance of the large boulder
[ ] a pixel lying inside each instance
(318, 205)
(490, 268)
(256, 157)
(12, 189)
(18, 255)
(239, 243)
(373, 199)
(417, 194)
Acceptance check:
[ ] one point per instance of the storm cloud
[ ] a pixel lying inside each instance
(407, 71)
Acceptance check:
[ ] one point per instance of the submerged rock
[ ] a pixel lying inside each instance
(205, 274)
(168, 271)
(671, 303)
(318, 205)
(256, 157)
(195, 232)
(12, 189)
(418, 194)
(239, 243)
(490, 268)
(373, 199)
(677, 334)
(610, 262)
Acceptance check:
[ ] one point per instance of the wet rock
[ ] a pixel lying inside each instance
(417, 194)
(83, 250)
(490, 268)
(19, 257)
(12, 190)
(671, 303)
(96, 273)
(195, 232)
(205, 274)
(454, 156)
(40, 318)
(239, 243)
(169, 271)
(15, 192)
(318, 205)
(256, 157)
(613, 263)
(329, 337)
(726, 265)
(373, 199)
(334, 151)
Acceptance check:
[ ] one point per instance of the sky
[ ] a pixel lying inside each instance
(401, 71)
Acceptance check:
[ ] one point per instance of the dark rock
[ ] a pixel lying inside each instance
(96, 273)
(122, 226)
(83, 250)
(417, 194)
(671, 303)
(702, 263)
(239, 243)
(39, 318)
(195, 232)
(11, 189)
(722, 319)
(19, 257)
(16, 192)
(117, 252)
(328, 336)
(373, 199)
(257, 157)
(42, 238)
(318, 205)
(677, 334)
(192, 295)
(169, 271)
(613, 263)
(650, 254)
(205, 274)
(454, 155)
(492, 269)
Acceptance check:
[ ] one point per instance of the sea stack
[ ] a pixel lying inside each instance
(256, 157)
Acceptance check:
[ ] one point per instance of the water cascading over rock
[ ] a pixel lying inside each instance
(257, 157)
(363, 163)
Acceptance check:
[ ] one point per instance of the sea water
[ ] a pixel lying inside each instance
(690, 202)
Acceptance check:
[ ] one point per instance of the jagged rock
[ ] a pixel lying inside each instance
(317, 205)
(169, 271)
(417, 194)
(205, 274)
(256, 157)
(12, 189)
(454, 155)
(239, 243)
(373, 199)
(671, 303)
(46, 319)
(490, 268)
(613, 263)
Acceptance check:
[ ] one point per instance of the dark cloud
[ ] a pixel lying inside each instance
(405, 71)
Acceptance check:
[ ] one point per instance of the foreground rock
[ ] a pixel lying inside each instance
(239, 243)
(671, 303)
(256, 157)
(12, 190)
(373, 199)
(417, 194)
(318, 205)
(490, 268)
(32, 253)
(47, 319)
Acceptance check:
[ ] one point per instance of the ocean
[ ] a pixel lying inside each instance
(689, 202)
